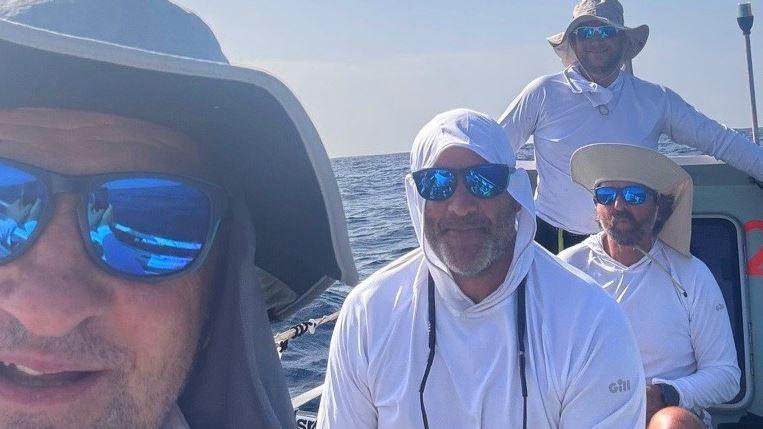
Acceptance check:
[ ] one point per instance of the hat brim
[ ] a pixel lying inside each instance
(254, 130)
(596, 163)
(636, 37)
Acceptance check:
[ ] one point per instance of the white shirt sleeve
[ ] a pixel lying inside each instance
(717, 377)
(346, 401)
(521, 117)
(686, 125)
(609, 374)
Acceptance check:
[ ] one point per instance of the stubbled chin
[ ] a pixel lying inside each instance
(107, 404)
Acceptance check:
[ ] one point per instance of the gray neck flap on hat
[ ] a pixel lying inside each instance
(152, 25)
(237, 381)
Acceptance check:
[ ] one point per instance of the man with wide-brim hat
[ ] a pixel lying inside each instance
(158, 205)
(596, 99)
(641, 258)
(598, 14)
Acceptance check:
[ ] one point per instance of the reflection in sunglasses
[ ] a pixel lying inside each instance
(587, 32)
(131, 251)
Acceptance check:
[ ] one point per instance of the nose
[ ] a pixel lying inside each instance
(53, 287)
(462, 202)
(619, 203)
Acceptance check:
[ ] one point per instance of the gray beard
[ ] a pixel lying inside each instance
(488, 255)
(497, 242)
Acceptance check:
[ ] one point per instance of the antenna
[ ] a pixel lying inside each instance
(745, 20)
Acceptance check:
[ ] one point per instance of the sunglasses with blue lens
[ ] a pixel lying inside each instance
(633, 194)
(588, 33)
(482, 181)
(143, 226)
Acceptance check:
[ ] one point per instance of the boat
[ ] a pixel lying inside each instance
(727, 235)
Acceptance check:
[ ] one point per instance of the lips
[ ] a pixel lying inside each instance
(35, 383)
(28, 377)
(463, 228)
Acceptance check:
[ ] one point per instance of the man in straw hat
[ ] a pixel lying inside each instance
(643, 203)
(478, 328)
(139, 186)
(593, 100)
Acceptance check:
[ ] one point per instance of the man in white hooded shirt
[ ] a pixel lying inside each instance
(475, 266)
(594, 100)
(643, 203)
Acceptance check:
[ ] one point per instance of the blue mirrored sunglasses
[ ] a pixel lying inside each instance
(135, 225)
(587, 33)
(633, 194)
(482, 181)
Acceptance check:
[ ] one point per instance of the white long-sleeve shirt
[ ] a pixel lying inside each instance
(684, 341)
(583, 369)
(563, 112)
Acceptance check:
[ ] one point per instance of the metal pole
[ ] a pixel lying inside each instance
(745, 20)
(752, 90)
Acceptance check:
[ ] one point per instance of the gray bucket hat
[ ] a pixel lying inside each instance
(152, 60)
(607, 12)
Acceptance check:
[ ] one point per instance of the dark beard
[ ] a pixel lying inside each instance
(612, 66)
(630, 237)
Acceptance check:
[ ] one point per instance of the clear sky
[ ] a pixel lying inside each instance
(371, 73)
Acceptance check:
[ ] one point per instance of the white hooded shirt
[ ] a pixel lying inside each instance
(582, 371)
(684, 341)
(564, 112)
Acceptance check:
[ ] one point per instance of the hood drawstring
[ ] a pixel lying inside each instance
(680, 291)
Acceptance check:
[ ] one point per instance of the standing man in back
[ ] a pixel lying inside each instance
(594, 100)
(641, 258)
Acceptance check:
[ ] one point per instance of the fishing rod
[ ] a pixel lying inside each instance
(745, 20)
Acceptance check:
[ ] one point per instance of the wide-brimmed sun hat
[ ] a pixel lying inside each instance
(606, 12)
(71, 55)
(596, 163)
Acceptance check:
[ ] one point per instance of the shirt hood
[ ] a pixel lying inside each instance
(482, 135)
(596, 94)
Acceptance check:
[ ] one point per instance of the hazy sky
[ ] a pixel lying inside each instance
(370, 74)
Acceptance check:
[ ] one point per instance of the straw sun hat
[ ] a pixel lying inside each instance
(596, 163)
(607, 12)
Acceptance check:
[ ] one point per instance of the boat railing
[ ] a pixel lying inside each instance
(282, 343)
(282, 338)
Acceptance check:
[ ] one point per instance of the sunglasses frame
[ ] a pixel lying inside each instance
(461, 172)
(57, 183)
(596, 30)
(619, 193)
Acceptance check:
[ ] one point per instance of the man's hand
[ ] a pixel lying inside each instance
(653, 401)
